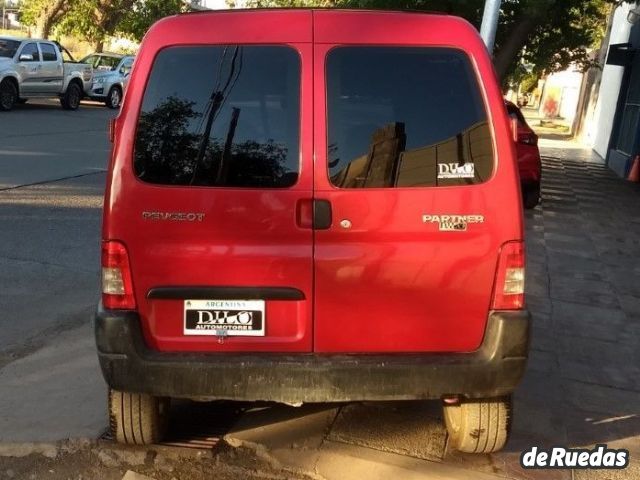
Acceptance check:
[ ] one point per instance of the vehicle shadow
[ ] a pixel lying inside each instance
(53, 104)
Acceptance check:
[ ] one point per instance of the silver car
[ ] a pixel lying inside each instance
(110, 71)
(33, 68)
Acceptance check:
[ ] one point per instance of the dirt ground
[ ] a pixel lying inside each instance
(86, 460)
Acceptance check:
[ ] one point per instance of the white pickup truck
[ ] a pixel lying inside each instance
(32, 68)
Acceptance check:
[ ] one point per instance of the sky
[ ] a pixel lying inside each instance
(215, 4)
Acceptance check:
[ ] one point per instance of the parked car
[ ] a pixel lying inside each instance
(31, 68)
(529, 162)
(326, 211)
(111, 70)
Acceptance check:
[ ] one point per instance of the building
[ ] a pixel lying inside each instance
(611, 120)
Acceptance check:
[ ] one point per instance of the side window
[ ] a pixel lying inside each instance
(31, 49)
(126, 66)
(224, 116)
(91, 60)
(48, 52)
(107, 63)
(405, 117)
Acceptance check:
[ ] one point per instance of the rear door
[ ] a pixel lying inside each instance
(215, 211)
(405, 167)
(52, 70)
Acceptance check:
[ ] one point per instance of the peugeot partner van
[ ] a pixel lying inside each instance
(313, 206)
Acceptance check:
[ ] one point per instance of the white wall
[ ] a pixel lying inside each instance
(565, 88)
(599, 127)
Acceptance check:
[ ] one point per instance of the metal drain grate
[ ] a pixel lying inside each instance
(197, 425)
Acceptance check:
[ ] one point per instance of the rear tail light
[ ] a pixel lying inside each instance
(508, 289)
(117, 286)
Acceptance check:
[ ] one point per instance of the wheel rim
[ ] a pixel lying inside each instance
(115, 97)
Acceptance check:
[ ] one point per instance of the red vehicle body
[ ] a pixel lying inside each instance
(377, 279)
(529, 162)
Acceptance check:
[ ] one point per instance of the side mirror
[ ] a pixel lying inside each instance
(26, 57)
(125, 71)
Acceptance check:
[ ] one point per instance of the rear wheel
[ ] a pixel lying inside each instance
(8, 95)
(71, 98)
(114, 97)
(479, 426)
(137, 418)
(531, 196)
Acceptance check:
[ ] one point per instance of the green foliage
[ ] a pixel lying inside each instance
(144, 14)
(563, 33)
(95, 20)
(529, 82)
(31, 10)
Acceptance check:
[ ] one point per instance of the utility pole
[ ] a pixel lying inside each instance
(490, 23)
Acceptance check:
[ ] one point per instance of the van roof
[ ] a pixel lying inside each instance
(331, 26)
(316, 9)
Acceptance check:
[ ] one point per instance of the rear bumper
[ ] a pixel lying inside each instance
(493, 370)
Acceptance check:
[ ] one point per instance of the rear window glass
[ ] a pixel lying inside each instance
(223, 116)
(405, 117)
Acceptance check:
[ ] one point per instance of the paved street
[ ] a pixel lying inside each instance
(52, 165)
(582, 386)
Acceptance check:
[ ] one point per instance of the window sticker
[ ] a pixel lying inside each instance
(455, 170)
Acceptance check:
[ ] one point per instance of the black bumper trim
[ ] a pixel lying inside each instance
(226, 293)
(493, 370)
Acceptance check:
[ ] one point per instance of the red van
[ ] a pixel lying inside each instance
(313, 206)
(529, 161)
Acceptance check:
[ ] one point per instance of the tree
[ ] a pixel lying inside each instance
(95, 20)
(548, 34)
(137, 21)
(44, 14)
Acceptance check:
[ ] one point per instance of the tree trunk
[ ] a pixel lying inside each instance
(516, 39)
(43, 27)
(99, 46)
(49, 16)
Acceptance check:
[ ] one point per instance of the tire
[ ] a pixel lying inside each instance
(137, 419)
(114, 98)
(8, 95)
(71, 98)
(531, 197)
(479, 426)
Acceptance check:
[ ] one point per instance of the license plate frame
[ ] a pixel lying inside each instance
(237, 318)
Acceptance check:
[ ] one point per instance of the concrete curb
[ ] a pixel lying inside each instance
(49, 450)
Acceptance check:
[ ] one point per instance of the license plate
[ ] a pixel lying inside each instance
(224, 317)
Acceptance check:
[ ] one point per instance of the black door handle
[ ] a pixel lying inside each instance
(321, 214)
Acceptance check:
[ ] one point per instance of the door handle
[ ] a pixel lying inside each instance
(322, 215)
